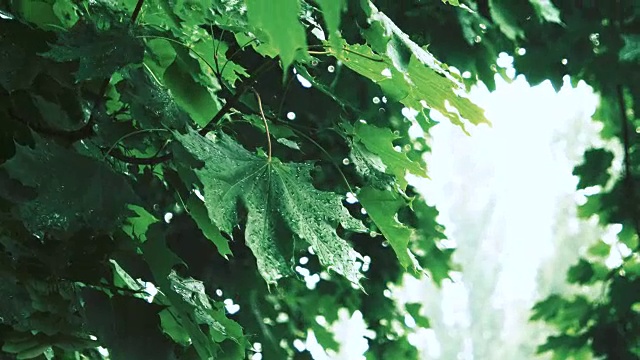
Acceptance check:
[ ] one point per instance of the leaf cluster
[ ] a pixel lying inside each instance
(199, 179)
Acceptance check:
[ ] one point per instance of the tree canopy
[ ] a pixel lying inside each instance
(207, 179)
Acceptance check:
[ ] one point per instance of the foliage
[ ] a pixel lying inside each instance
(110, 95)
(166, 163)
(586, 40)
(595, 42)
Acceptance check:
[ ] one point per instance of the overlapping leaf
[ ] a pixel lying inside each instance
(192, 313)
(382, 207)
(379, 143)
(276, 196)
(279, 21)
(409, 74)
(100, 52)
(78, 191)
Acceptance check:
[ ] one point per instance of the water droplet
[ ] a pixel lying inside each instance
(376, 100)
(331, 68)
(565, 61)
(363, 211)
(346, 161)
(477, 39)
(291, 115)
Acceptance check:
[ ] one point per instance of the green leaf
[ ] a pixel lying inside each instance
(630, 52)
(187, 91)
(580, 273)
(382, 206)
(150, 103)
(277, 196)
(600, 249)
(332, 14)
(78, 191)
(100, 52)
(594, 170)
(19, 64)
(110, 320)
(198, 212)
(379, 141)
(629, 237)
(137, 226)
(278, 19)
(546, 10)
(202, 319)
(433, 257)
(410, 74)
(506, 18)
(231, 71)
(414, 310)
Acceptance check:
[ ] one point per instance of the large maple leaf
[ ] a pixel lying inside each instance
(281, 203)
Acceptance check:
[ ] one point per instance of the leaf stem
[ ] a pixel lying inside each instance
(232, 101)
(266, 125)
(129, 135)
(300, 133)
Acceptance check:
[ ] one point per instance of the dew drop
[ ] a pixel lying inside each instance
(331, 68)
(376, 100)
(346, 161)
(291, 115)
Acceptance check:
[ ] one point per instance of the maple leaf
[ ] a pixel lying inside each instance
(99, 52)
(276, 196)
(78, 191)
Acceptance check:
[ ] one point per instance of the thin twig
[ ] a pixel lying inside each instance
(129, 135)
(117, 154)
(233, 101)
(344, 178)
(266, 125)
(236, 52)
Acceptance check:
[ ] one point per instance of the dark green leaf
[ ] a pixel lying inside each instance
(79, 191)
(100, 52)
(581, 273)
(594, 170)
(198, 212)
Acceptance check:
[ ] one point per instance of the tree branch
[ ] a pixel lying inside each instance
(136, 11)
(628, 166)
